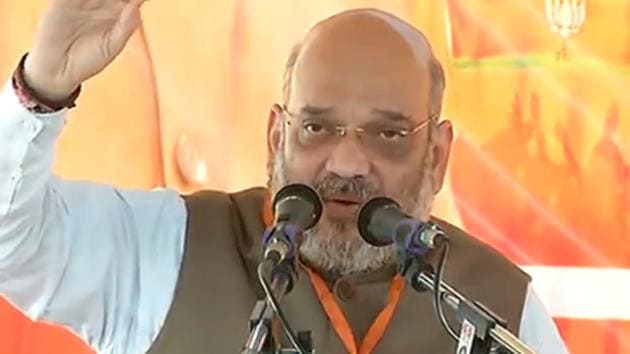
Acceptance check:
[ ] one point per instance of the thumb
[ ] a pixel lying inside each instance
(127, 24)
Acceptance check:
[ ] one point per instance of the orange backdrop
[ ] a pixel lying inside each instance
(537, 89)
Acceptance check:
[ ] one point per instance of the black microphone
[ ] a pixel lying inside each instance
(297, 208)
(382, 222)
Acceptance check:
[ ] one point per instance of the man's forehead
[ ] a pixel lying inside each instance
(365, 54)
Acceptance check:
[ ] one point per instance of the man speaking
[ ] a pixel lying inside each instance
(133, 271)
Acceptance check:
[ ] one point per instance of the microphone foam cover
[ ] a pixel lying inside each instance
(365, 220)
(304, 193)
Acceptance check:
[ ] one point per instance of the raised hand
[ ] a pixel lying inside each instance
(76, 40)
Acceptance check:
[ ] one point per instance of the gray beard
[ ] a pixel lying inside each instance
(338, 248)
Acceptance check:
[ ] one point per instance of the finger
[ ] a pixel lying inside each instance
(130, 17)
(128, 22)
(90, 4)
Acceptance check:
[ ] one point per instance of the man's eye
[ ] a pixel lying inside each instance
(314, 128)
(391, 134)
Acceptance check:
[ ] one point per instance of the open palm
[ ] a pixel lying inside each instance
(76, 40)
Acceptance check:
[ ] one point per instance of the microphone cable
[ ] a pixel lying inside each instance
(275, 306)
(437, 293)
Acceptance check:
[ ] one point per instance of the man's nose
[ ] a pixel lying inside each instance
(348, 159)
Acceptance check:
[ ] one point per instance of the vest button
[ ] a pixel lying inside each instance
(344, 290)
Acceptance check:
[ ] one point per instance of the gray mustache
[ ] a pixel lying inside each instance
(356, 188)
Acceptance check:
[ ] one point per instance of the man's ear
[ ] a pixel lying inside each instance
(274, 129)
(442, 140)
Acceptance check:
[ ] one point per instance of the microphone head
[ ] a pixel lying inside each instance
(298, 203)
(368, 229)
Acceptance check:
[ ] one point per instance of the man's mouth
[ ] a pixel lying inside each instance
(341, 208)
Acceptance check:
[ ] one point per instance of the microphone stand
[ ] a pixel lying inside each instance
(262, 320)
(482, 330)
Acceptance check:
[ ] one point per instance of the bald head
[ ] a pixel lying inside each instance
(361, 39)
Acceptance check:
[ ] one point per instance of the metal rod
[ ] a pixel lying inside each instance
(451, 296)
(500, 334)
(510, 341)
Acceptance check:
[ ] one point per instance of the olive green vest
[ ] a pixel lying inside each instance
(217, 288)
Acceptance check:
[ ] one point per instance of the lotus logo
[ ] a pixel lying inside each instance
(565, 18)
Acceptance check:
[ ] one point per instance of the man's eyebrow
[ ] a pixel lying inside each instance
(314, 110)
(392, 115)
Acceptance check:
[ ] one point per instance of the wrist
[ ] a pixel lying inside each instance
(37, 100)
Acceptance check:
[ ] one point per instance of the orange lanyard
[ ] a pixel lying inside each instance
(334, 312)
(336, 316)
